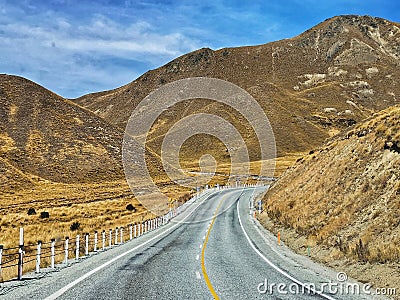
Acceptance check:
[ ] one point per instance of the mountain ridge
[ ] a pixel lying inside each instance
(317, 83)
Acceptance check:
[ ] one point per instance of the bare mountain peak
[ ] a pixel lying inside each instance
(340, 23)
(380, 34)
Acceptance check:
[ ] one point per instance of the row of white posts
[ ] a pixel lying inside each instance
(237, 185)
(135, 230)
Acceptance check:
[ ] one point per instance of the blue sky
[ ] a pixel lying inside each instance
(75, 47)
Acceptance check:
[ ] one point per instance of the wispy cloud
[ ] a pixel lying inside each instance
(81, 54)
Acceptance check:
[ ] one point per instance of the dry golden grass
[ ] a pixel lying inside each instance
(342, 200)
(96, 206)
(346, 195)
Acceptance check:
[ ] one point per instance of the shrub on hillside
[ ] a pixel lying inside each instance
(44, 215)
(130, 207)
(31, 211)
(75, 226)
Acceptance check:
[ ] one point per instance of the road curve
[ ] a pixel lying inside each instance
(214, 249)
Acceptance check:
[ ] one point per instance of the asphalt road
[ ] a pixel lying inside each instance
(214, 249)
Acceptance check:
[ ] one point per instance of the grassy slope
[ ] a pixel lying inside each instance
(44, 135)
(344, 198)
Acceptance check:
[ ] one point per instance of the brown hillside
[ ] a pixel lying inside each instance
(344, 198)
(311, 86)
(44, 135)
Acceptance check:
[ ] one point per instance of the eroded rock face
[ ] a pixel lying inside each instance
(358, 53)
(384, 33)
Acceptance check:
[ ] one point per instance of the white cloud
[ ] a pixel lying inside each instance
(77, 47)
(102, 37)
(69, 58)
(170, 45)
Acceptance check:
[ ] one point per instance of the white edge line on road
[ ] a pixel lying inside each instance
(197, 257)
(198, 275)
(95, 270)
(276, 267)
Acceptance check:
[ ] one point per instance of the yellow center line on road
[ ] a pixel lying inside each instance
(203, 267)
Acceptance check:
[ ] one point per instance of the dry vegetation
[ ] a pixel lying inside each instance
(94, 206)
(344, 198)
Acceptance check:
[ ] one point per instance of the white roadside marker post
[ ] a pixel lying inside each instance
(95, 242)
(77, 247)
(87, 244)
(53, 253)
(21, 253)
(110, 238)
(38, 253)
(1, 261)
(103, 240)
(66, 246)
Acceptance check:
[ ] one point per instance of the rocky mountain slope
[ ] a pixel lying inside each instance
(43, 136)
(311, 86)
